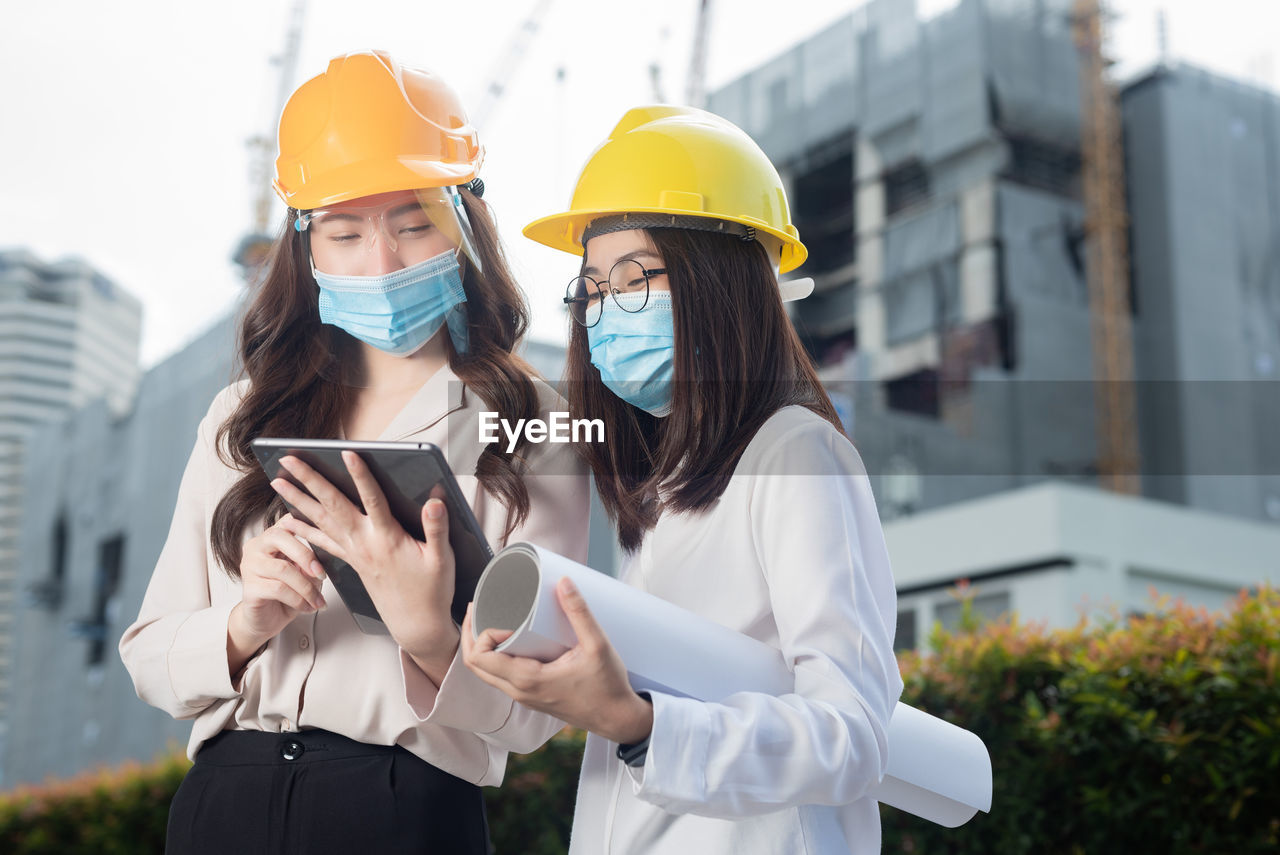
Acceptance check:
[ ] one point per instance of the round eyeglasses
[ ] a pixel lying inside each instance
(628, 278)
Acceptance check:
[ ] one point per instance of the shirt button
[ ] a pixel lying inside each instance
(291, 750)
(304, 642)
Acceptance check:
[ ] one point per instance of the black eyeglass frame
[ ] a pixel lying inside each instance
(572, 302)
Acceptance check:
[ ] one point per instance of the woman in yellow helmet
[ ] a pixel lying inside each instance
(738, 496)
(387, 312)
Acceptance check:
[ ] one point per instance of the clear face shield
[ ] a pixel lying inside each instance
(376, 235)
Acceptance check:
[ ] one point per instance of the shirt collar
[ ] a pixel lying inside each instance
(441, 395)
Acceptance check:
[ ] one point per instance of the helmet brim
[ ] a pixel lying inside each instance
(371, 177)
(563, 231)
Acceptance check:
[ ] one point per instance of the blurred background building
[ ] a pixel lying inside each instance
(68, 336)
(944, 178)
(935, 171)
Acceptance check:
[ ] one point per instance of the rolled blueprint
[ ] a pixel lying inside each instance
(936, 770)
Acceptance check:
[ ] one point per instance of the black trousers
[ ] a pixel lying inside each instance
(317, 792)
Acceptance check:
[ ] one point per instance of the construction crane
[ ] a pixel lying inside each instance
(655, 67)
(695, 88)
(252, 250)
(1107, 258)
(509, 60)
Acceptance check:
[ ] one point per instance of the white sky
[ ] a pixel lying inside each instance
(124, 124)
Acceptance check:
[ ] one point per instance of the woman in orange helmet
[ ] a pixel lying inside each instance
(387, 312)
(738, 496)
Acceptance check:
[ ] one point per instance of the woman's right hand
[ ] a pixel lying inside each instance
(280, 579)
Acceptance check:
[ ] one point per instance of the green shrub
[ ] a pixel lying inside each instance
(123, 811)
(1160, 733)
(530, 814)
(1157, 734)
(119, 811)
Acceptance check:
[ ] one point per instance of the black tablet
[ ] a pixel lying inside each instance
(407, 472)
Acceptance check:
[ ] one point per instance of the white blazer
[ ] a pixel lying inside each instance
(791, 554)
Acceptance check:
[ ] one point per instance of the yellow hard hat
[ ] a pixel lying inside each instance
(682, 162)
(370, 125)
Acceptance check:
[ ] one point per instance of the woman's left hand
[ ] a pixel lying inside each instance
(586, 686)
(409, 580)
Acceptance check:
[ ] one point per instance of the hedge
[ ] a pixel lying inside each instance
(119, 811)
(1156, 733)
(123, 811)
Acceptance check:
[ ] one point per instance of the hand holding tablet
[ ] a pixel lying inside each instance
(370, 514)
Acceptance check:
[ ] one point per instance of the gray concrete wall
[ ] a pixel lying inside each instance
(107, 477)
(1204, 189)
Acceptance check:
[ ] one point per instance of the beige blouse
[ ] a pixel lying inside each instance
(321, 671)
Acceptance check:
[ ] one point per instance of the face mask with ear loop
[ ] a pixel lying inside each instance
(633, 348)
(397, 312)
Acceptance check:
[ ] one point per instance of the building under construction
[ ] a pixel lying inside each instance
(936, 175)
(68, 336)
(935, 172)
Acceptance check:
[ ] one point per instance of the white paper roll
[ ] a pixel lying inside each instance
(936, 770)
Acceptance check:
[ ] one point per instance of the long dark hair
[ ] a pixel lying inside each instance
(294, 365)
(738, 360)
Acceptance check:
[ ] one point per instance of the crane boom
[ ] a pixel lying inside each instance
(696, 89)
(265, 145)
(251, 252)
(509, 60)
(1107, 266)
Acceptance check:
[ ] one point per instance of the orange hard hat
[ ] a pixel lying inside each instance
(370, 125)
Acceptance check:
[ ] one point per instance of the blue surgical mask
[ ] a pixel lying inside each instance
(634, 351)
(398, 313)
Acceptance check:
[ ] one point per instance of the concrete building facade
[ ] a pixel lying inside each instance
(1204, 188)
(1056, 553)
(68, 336)
(934, 172)
(100, 494)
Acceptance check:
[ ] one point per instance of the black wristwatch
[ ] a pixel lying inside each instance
(634, 754)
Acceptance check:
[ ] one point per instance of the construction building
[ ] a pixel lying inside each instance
(935, 172)
(101, 489)
(68, 335)
(1204, 184)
